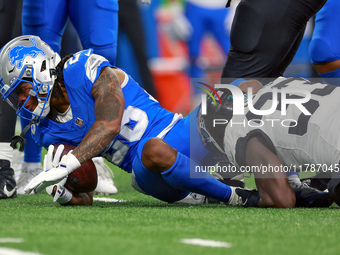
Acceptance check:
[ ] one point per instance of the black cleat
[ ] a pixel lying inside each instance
(310, 197)
(334, 189)
(235, 180)
(8, 186)
(335, 194)
(244, 197)
(318, 181)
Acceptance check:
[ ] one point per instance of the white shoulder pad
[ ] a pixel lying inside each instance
(92, 64)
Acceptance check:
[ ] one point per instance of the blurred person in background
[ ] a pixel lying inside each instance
(206, 17)
(130, 22)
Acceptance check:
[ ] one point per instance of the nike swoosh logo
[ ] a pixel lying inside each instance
(9, 193)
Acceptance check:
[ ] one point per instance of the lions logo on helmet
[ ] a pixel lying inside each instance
(28, 59)
(18, 53)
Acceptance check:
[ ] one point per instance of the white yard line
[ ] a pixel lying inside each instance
(205, 242)
(11, 240)
(11, 251)
(109, 200)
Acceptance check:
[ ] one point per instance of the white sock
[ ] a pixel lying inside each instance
(6, 152)
(294, 178)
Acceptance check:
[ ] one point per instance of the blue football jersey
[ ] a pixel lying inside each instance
(143, 116)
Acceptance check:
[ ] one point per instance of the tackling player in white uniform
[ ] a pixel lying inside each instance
(297, 138)
(296, 132)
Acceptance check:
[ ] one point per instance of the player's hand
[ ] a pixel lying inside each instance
(49, 160)
(146, 1)
(59, 193)
(68, 164)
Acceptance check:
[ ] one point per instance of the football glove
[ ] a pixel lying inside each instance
(68, 164)
(49, 160)
(62, 194)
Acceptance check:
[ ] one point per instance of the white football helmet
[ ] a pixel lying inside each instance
(28, 59)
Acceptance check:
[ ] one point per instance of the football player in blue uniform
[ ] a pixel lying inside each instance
(96, 23)
(324, 47)
(85, 101)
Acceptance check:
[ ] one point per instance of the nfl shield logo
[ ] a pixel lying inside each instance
(79, 122)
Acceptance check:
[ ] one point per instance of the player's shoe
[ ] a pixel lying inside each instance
(28, 171)
(105, 184)
(334, 191)
(244, 197)
(193, 198)
(8, 187)
(309, 197)
(236, 180)
(318, 181)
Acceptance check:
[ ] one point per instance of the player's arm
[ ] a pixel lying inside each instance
(81, 199)
(273, 186)
(109, 108)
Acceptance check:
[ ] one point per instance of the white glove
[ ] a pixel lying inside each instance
(52, 162)
(49, 160)
(146, 1)
(68, 164)
(62, 195)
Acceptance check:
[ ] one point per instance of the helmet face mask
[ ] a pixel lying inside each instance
(27, 59)
(37, 93)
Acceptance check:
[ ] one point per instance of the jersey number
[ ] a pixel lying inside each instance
(302, 122)
(134, 124)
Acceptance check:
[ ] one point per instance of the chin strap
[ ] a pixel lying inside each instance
(21, 138)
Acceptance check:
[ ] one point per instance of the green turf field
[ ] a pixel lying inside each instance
(143, 225)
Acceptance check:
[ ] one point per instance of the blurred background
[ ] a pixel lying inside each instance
(166, 43)
(168, 30)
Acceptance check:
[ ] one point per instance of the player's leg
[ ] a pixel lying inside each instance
(32, 160)
(273, 186)
(151, 183)
(9, 12)
(131, 22)
(324, 47)
(264, 33)
(97, 25)
(333, 187)
(7, 126)
(46, 19)
(185, 138)
(156, 160)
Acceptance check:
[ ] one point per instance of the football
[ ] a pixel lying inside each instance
(84, 178)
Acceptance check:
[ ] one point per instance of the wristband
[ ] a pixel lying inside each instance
(64, 198)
